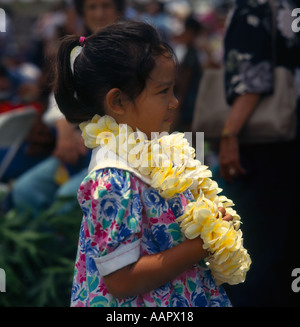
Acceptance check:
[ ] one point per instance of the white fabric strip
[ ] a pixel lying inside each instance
(123, 256)
(101, 158)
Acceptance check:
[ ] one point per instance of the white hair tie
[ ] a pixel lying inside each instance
(73, 55)
(76, 52)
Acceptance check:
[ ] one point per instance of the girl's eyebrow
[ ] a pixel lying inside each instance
(164, 84)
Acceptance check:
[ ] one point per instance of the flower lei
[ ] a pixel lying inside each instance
(169, 164)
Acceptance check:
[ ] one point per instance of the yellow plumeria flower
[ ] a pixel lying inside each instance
(122, 141)
(107, 123)
(137, 140)
(91, 132)
(171, 186)
(107, 139)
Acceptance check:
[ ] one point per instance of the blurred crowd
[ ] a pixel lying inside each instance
(27, 54)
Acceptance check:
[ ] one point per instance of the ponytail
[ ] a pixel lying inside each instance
(64, 85)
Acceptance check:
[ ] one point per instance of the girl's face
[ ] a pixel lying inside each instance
(99, 13)
(153, 110)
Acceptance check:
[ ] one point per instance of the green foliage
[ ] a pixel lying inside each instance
(38, 255)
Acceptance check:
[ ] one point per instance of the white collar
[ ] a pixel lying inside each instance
(102, 158)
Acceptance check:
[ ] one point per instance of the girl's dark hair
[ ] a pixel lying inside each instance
(121, 56)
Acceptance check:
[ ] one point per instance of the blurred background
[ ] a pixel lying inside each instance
(38, 239)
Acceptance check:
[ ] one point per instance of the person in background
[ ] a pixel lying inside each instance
(59, 176)
(189, 75)
(97, 14)
(155, 14)
(257, 175)
(20, 87)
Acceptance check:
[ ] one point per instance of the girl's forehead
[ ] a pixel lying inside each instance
(164, 71)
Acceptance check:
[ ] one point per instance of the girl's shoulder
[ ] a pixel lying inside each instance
(113, 180)
(120, 183)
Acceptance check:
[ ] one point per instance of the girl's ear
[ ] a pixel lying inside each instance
(115, 101)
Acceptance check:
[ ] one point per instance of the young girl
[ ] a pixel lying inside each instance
(131, 250)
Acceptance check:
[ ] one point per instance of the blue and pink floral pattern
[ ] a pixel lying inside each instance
(119, 209)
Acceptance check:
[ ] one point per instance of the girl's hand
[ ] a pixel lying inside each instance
(225, 216)
(229, 159)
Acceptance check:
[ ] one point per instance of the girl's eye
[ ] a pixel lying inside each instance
(165, 91)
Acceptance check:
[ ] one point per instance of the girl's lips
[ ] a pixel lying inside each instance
(169, 120)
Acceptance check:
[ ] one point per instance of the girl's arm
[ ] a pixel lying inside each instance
(152, 271)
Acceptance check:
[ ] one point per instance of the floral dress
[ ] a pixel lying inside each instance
(123, 219)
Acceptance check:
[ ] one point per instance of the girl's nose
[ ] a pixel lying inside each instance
(174, 103)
